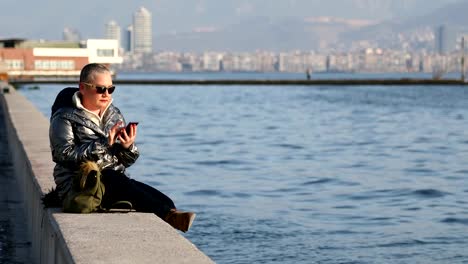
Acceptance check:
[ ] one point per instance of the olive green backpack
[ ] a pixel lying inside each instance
(87, 190)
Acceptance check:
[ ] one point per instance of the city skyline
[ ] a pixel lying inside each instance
(255, 24)
(138, 36)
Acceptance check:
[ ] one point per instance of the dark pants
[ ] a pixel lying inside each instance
(143, 197)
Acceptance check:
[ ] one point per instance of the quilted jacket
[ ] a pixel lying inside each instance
(76, 138)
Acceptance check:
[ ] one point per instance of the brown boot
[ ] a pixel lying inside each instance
(180, 220)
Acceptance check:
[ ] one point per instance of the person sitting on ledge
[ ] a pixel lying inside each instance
(86, 126)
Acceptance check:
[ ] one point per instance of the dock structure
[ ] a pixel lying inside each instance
(52, 236)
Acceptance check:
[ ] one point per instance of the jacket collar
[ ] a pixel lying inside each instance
(94, 117)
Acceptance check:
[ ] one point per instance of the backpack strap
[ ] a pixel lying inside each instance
(119, 207)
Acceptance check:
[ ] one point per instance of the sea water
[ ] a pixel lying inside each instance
(306, 174)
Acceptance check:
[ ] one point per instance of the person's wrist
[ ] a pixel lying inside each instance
(132, 147)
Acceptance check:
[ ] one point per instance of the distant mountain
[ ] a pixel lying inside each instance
(316, 32)
(263, 33)
(228, 12)
(452, 15)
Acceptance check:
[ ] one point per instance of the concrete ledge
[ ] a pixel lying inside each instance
(80, 238)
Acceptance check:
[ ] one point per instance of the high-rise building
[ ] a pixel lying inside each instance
(112, 31)
(445, 40)
(128, 39)
(142, 31)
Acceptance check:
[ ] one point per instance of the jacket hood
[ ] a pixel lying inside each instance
(64, 99)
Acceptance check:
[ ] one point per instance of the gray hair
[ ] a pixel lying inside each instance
(90, 70)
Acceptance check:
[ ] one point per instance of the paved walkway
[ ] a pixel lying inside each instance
(14, 244)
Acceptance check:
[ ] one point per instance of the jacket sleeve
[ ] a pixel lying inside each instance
(126, 156)
(66, 149)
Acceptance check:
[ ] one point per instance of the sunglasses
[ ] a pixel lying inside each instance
(102, 89)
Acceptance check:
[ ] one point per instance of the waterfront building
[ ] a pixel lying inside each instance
(212, 61)
(372, 60)
(259, 61)
(166, 62)
(142, 31)
(132, 62)
(265, 61)
(237, 62)
(298, 61)
(339, 62)
(112, 31)
(30, 59)
(191, 62)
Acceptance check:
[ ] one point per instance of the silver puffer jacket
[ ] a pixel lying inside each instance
(75, 138)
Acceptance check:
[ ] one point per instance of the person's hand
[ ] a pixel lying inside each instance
(114, 132)
(127, 139)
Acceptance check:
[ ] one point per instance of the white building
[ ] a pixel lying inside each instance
(26, 58)
(212, 61)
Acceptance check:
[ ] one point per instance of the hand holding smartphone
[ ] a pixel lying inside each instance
(127, 128)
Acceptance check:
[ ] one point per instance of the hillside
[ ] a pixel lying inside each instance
(313, 32)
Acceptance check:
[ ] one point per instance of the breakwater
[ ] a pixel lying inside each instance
(266, 82)
(58, 237)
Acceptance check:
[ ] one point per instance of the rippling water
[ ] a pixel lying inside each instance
(295, 174)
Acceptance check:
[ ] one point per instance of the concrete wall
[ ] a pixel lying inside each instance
(80, 238)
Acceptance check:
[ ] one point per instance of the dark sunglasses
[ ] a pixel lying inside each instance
(102, 89)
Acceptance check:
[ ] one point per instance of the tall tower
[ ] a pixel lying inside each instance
(142, 31)
(445, 40)
(128, 39)
(112, 31)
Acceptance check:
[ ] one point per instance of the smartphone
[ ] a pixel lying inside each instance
(127, 128)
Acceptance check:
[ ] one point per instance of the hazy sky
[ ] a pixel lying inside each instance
(46, 19)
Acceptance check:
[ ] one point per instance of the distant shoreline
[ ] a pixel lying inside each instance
(402, 81)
